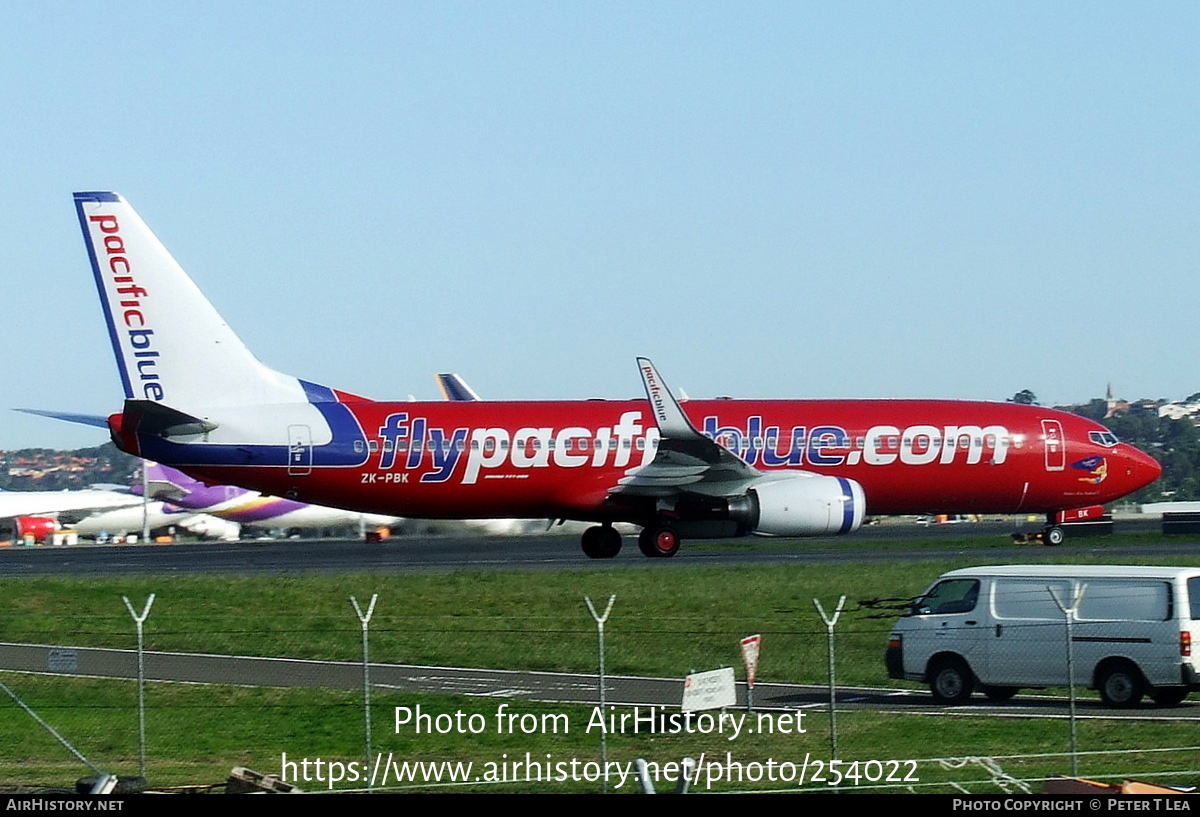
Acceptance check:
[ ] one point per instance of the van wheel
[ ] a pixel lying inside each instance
(951, 681)
(998, 695)
(1168, 696)
(1120, 684)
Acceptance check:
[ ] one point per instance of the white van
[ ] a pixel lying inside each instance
(997, 629)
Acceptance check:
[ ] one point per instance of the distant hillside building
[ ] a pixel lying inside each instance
(1115, 407)
(1180, 410)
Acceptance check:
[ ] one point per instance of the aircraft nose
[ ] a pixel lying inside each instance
(1141, 468)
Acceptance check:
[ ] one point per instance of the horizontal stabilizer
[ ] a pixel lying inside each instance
(164, 483)
(164, 421)
(81, 419)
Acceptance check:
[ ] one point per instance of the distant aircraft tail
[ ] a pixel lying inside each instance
(455, 389)
(171, 345)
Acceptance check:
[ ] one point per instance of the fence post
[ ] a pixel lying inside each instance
(141, 679)
(1070, 612)
(829, 623)
(600, 619)
(365, 620)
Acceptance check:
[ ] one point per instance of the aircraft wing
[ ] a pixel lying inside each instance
(686, 461)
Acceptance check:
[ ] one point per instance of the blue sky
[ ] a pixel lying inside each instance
(768, 199)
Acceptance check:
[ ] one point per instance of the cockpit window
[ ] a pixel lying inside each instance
(1105, 438)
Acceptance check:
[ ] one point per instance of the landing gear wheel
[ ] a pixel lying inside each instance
(658, 542)
(951, 681)
(1121, 685)
(601, 542)
(1054, 535)
(1168, 696)
(998, 695)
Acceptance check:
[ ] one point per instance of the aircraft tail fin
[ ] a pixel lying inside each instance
(455, 389)
(171, 345)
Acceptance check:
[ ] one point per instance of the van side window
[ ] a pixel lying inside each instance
(1125, 601)
(1194, 596)
(1030, 599)
(950, 596)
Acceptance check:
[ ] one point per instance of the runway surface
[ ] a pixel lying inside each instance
(990, 542)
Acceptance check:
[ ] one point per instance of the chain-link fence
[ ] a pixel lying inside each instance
(477, 699)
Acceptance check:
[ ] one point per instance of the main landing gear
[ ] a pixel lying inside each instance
(656, 541)
(601, 542)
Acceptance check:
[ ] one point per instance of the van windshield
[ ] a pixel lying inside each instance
(950, 596)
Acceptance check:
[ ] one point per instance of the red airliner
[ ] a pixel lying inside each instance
(197, 399)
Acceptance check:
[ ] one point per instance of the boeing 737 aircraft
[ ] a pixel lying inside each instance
(198, 400)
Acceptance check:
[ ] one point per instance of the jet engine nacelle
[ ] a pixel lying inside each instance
(800, 505)
(41, 528)
(213, 527)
